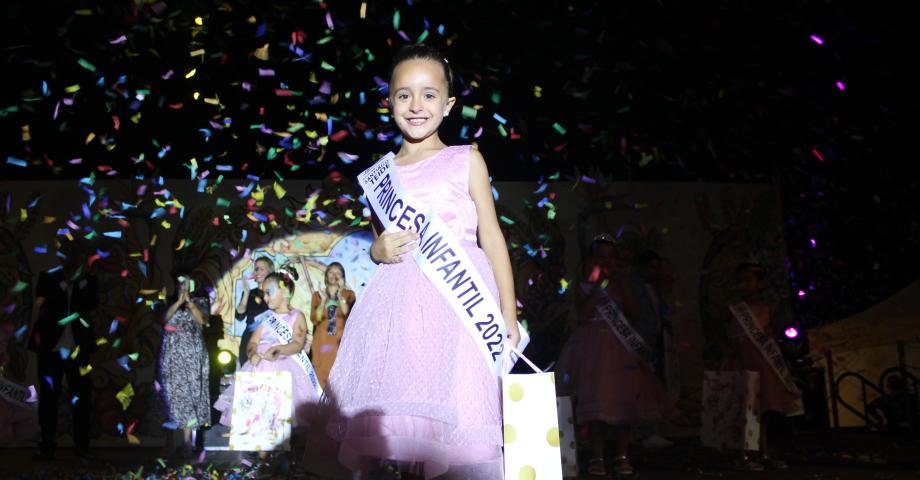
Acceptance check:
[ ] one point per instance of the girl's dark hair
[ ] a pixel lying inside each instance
(285, 276)
(424, 52)
(336, 264)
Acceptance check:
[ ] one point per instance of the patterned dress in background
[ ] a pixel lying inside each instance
(326, 336)
(184, 370)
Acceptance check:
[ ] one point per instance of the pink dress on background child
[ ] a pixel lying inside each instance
(609, 383)
(305, 397)
(409, 384)
(774, 396)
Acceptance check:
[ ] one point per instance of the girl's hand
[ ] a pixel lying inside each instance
(389, 246)
(272, 354)
(246, 287)
(514, 337)
(254, 359)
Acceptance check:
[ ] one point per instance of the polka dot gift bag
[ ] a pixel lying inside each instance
(530, 425)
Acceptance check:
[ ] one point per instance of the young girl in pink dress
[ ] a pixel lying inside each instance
(269, 353)
(409, 387)
(776, 398)
(614, 389)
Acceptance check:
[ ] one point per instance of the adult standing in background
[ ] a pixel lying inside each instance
(63, 340)
(252, 302)
(329, 310)
(184, 365)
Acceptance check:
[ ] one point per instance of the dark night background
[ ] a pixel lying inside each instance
(732, 91)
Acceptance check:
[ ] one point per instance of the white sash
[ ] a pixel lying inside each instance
(268, 320)
(16, 394)
(764, 343)
(442, 259)
(626, 334)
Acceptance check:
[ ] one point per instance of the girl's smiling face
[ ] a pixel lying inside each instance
(419, 98)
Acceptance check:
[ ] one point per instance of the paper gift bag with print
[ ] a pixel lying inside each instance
(530, 426)
(567, 437)
(731, 410)
(262, 411)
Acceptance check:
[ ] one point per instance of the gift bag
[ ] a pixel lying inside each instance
(531, 431)
(567, 437)
(262, 411)
(731, 410)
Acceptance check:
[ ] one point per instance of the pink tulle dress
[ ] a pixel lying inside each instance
(305, 396)
(409, 384)
(609, 383)
(774, 396)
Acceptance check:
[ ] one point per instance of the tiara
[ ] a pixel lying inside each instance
(603, 237)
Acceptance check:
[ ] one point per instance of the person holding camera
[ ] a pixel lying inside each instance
(184, 362)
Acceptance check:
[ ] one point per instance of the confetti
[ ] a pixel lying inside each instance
(125, 395)
(16, 161)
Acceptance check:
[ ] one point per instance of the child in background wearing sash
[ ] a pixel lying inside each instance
(268, 353)
(410, 389)
(613, 388)
(776, 400)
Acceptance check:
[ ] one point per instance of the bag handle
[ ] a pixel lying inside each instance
(520, 355)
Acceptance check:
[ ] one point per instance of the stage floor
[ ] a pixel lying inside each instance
(830, 457)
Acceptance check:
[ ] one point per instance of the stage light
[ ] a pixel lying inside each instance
(224, 357)
(792, 332)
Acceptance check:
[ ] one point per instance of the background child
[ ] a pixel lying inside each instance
(267, 352)
(614, 390)
(776, 399)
